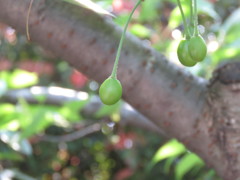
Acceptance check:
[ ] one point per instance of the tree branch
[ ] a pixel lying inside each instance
(59, 96)
(88, 41)
(72, 136)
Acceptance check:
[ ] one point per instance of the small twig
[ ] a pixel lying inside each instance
(72, 136)
(27, 21)
(129, 116)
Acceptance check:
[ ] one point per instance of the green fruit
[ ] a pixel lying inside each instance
(110, 91)
(197, 48)
(183, 54)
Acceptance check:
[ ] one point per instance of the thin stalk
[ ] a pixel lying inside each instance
(27, 21)
(184, 19)
(114, 71)
(196, 32)
(191, 11)
(191, 14)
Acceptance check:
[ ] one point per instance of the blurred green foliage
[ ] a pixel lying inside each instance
(114, 152)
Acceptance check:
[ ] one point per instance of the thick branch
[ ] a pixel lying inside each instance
(166, 94)
(88, 41)
(224, 98)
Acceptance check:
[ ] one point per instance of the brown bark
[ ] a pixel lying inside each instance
(179, 103)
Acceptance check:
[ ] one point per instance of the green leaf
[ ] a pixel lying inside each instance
(71, 110)
(140, 31)
(10, 156)
(5, 75)
(39, 120)
(168, 163)
(232, 34)
(25, 113)
(40, 98)
(208, 176)
(6, 109)
(21, 79)
(208, 9)
(121, 20)
(226, 52)
(232, 20)
(149, 10)
(175, 18)
(170, 149)
(188, 162)
(35, 118)
(7, 114)
(107, 110)
(203, 7)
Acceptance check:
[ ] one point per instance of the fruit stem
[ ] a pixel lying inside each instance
(114, 71)
(196, 32)
(184, 20)
(191, 15)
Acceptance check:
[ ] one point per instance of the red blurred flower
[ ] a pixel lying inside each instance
(78, 79)
(123, 141)
(39, 67)
(123, 174)
(5, 64)
(122, 5)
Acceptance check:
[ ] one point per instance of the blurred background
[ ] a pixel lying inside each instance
(53, 126)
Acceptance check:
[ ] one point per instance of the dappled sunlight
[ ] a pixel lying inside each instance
(61, 91)
(36, 90)
(93, 6)
(13, 125)
(176, 34)
(212, 46)
(230, 52)
(82, 95)
(128, 107)
(58, 91)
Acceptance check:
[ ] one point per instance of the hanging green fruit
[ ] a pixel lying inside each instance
(110, 90)
(183, 54)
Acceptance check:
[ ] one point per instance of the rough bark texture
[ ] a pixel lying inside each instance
(224, 125)
(204, 117)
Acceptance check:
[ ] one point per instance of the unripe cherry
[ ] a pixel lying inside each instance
(110, 91)
(183, 54)
(197, 48)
